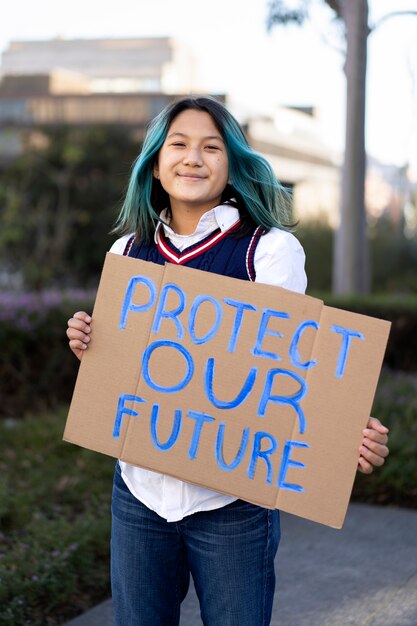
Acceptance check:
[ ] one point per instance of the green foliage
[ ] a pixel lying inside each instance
(396, 276)
(37, 368)
(396, 406)
(393, 259)
(316, 237)
(281, 14)
(54, 523)
(58, 204)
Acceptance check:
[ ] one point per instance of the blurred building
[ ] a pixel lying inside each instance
(156, 64)
(82, 82)
(291, 141)
(391, 194)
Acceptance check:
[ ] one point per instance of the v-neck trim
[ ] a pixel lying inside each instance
(170, 252)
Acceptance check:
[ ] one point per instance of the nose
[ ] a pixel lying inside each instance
(192, 157)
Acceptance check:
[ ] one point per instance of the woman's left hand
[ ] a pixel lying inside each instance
(373, 450)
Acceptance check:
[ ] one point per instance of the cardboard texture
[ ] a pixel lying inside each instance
(247, 389)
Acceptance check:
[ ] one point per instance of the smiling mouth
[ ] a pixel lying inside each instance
(192, 176)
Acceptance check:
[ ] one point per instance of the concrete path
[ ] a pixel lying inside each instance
(363, 575)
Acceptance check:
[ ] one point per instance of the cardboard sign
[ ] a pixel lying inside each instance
(247, 389)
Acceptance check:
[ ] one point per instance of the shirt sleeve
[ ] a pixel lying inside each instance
(120, 244)
(279, 260)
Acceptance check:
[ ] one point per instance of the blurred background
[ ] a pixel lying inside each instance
(325, 90)
(81, 81)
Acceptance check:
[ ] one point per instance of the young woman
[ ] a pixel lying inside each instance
(200, 196)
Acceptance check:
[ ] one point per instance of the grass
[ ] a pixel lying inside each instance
(55, 507)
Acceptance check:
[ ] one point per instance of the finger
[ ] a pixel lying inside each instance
(78, 324)
(373, 435)
(82, 315)
(364, 466)
(76, 344)
(375, 424)
(372, 457)
(377, 448)
(74, 334)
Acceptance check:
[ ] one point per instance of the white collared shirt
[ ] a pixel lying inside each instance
(279, 260)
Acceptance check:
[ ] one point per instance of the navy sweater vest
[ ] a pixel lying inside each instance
(220, 253)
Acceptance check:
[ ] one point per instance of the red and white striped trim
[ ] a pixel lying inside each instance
(250, 253)
(179, 259)
(128, 245)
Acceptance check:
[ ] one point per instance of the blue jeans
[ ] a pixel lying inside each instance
(229, 553)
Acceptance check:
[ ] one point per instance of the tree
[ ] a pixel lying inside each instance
(351, 266)
(351, 252)
(58, 204)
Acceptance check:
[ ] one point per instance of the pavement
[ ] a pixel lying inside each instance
(362, 575)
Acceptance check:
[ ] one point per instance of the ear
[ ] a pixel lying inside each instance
(155, 171)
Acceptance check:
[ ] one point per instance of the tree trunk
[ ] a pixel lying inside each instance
(351, 271)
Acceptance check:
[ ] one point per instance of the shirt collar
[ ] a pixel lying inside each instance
(222, 216)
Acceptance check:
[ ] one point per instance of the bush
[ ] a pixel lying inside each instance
(316, 238)
(54, 523)
(396, 276)
(396, 406)
(37, 369)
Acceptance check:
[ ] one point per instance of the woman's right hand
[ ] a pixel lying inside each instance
(78, 333)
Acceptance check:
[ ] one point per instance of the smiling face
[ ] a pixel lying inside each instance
(192, 167)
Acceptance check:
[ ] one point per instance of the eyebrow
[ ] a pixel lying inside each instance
(204, 138)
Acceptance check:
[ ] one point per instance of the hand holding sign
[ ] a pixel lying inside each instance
(373, 450)
(78, 333)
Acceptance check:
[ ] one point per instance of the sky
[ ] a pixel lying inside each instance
(259, 70)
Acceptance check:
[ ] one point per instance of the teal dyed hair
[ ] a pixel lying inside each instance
(253, 189)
